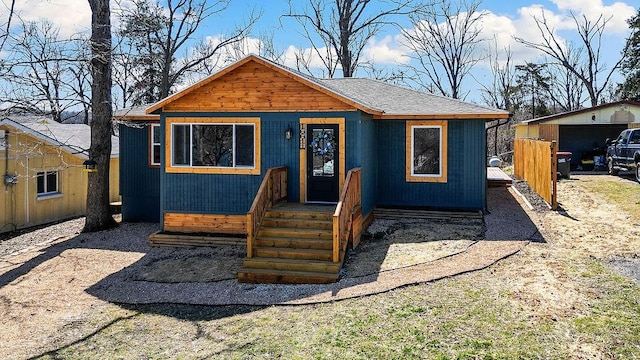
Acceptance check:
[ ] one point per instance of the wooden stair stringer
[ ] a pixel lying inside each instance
(292, 247)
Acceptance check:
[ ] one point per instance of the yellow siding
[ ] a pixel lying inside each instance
(114, 180)
(549, 132)
(27, 155)
(527, 131)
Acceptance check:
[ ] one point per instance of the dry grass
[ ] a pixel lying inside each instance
(554, 300)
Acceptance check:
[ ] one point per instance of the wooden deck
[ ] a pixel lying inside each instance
(497, 178)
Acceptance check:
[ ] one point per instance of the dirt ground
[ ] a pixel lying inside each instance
(48, 295)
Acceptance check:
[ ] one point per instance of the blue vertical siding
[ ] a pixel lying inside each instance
(233, 194)
(466, 169)
(139, 183)
(378, 146)
(369, 162)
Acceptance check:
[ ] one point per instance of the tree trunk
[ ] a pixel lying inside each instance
(98, 210)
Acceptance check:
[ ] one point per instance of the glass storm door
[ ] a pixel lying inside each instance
(322, 163)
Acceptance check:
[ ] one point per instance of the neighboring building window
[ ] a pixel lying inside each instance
(224, 147)
(2, 140)
(154, 157)
(47, 183)
(426, 151)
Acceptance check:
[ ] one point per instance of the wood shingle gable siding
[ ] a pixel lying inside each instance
(254, 87)
(257, 84)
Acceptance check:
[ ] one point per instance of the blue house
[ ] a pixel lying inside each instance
(296, 164)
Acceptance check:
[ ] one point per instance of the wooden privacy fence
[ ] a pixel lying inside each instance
(535, 161)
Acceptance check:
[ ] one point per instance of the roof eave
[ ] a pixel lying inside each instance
(148, 117)
(487, 117)
(27, 130)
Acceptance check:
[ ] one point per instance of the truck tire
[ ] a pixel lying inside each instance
(638, 172)
(611, 168)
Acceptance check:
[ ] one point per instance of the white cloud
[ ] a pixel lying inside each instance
(386, 51)
(524, 26)
(299, 58)
(619, 12)
(71, 16)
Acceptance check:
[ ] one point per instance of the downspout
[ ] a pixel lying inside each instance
(6, 157)
(6, 177)
(26, 191)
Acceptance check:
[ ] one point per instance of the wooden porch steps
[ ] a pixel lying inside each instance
(293, 246)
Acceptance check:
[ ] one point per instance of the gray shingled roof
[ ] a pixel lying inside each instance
(134, 111)
(376, 95)
(75, 138)
(398, 100)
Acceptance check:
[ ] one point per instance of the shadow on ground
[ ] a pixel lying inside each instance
(207, 276)
(507, 220)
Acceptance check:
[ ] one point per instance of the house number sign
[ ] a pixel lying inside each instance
(303, 136)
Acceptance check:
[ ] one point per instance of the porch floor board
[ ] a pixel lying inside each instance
(498, 178)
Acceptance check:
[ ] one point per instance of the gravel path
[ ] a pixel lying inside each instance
(15, 243)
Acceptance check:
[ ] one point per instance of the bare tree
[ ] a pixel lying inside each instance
(445, 41)
(98, 211)
(158, 33)
(342, 28)
(80, 81)
(583, 59)
(41, 71)
(566, 91)
(499, 93)
(4, 35)
(125, 74)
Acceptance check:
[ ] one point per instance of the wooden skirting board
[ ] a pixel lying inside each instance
(205, 223)
(171, 239)
(397, 214)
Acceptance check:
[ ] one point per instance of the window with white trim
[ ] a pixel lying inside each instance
(223, 145)
(154, 151)
(47, 183)
(427, 151)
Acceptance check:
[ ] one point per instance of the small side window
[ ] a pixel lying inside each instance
(154, 151)
(47, 183)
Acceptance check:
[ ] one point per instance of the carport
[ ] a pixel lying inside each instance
(583, 132)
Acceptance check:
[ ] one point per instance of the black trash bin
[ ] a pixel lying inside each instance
(564, 164)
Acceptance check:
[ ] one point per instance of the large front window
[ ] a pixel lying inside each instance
(210, 145)
(426, 151)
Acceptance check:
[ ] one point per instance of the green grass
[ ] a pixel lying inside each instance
(613, 318)
(625, 194)
(474, 316)
(447, 320)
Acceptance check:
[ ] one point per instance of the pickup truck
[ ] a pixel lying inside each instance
(624, 153)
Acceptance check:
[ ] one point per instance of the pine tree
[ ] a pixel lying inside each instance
(630, 66)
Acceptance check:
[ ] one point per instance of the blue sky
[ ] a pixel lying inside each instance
(504, 19)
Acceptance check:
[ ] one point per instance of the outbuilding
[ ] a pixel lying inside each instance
(584, 132)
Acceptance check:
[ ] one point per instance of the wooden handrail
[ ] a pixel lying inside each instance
(273, 189)
(350, 198)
